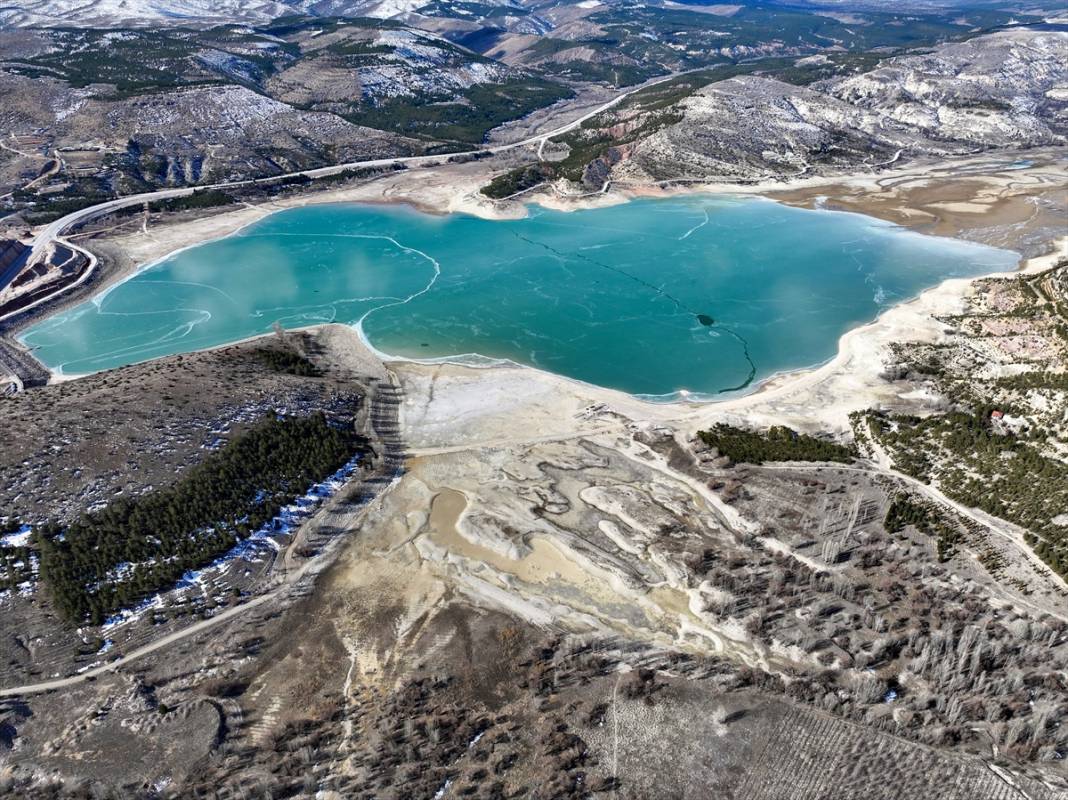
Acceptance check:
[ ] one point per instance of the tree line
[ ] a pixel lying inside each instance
(1039, 379)
(137, 546)
(778, 443)
(288, 362)
(200, 198)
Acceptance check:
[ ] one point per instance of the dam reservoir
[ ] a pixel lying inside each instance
(705, 295)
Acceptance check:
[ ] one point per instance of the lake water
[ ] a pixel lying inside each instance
(702, 294)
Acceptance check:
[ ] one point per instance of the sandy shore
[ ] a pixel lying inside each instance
(824, 397)
(453, 406)
(489, 445)
(999, 202)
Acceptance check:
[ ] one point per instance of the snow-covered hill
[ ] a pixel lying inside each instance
(107, 13)
(1000, 90)
(118, 13)
(1008, 89)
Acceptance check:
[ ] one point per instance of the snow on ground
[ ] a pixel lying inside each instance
(392, 8)
(208, 579)
(19, 538)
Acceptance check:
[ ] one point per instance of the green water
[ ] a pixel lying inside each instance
(704, 294)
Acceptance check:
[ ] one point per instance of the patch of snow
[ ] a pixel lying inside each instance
(393, 8)
(289, 518)
(19, 538)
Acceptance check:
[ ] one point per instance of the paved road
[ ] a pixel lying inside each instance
(54, 230)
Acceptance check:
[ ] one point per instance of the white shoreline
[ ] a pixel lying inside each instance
(818, 396)
(474, 360)
(797, 380)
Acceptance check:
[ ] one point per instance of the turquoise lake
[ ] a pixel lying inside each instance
(703, 294)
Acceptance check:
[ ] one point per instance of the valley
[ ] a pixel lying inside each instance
(361, 387)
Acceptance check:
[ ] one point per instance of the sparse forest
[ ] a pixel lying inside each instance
(925, 517)
(518, 180)
(15, 567)
(1000, 472)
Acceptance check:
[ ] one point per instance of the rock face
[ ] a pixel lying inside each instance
(193, 135)
(1005, 89)
(405, 64)
(751, 126)
(1008, 89)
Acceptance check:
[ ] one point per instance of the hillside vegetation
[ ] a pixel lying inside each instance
(778, 443)
(133, 547)
(1003, 446)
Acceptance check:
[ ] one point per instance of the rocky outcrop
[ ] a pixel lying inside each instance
(752, 127)
(1007, 89)
(194, 135)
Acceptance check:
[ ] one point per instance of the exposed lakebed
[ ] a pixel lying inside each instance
(702, 294)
